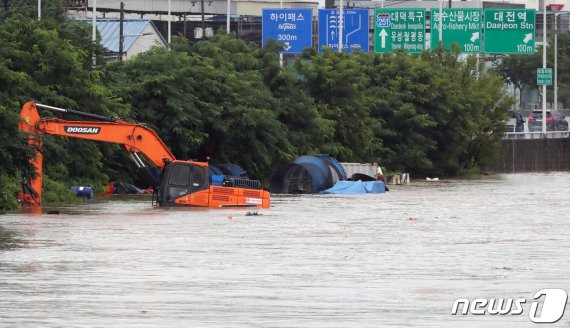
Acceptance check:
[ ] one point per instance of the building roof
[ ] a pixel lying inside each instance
(132, 29)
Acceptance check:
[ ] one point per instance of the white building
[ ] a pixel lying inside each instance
(139, 35)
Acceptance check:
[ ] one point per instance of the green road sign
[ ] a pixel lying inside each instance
(510, 31)
(399, 29)
(544, 76)
(461, 26)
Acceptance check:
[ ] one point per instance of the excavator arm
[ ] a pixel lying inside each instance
(135, 138)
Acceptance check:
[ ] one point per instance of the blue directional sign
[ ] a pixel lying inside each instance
(354, 32)
(292, 27)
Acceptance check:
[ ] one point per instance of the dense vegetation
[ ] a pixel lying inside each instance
(232, 101)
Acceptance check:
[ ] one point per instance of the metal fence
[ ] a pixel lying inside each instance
(536, 135)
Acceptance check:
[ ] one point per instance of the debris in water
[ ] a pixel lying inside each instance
(230, 217)
(52, 212)
(252, 214)
(413, 218)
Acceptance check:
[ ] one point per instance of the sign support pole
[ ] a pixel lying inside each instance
(281, 53)
(478, 55)
(340, 27)
(555, 62)
(544, 66)
(441, 21)
(169, 24)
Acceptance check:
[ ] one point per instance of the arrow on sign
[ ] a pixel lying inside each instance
(474, 36)
(383, 35)
(287, 46)
(527, 38)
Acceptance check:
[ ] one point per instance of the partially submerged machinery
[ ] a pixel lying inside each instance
(307, 174)
(324, 174)
(176, 182)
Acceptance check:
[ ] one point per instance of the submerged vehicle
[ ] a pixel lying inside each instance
(176, 182)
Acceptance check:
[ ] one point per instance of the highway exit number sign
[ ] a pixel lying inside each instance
(510, 31)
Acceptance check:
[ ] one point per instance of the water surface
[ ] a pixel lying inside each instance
(309, 261)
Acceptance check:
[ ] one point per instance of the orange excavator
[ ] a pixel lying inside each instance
(184, 183)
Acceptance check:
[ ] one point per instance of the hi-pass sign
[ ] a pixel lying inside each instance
(291, 27)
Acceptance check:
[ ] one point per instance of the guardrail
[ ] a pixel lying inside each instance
(536, 135)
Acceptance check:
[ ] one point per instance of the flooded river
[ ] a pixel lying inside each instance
(309, 261)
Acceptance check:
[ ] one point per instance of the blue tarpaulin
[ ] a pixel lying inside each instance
(356, 187)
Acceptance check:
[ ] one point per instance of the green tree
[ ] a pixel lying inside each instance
(209, 100)
(51, 10)
(337, 83)
(469, 130)
(563, 70)
(400, 88)
(36, 63)
(519, 70)
(307, 130)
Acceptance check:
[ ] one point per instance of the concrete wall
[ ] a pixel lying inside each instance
(535, 155)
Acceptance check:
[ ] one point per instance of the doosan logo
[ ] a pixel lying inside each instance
(552, 309)
(82, 129)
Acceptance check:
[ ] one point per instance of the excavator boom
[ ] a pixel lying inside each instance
(135, 138)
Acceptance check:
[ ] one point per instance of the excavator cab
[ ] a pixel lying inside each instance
(181, 179)
(185, 183)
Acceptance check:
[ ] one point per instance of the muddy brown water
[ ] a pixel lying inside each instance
(309, 261)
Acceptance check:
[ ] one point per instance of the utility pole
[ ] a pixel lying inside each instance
(121, 32)
(228, 11)
(203, 20)
(39, 9)
(94, 34)
(169, 23)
